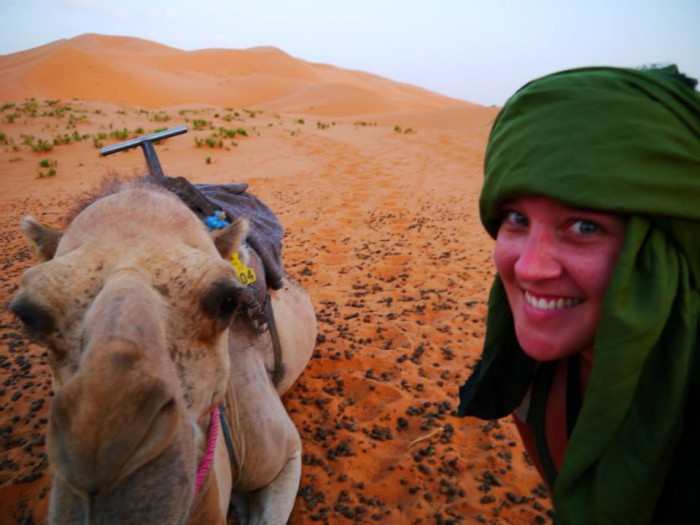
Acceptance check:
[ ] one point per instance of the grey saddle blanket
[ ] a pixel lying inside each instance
(265, 235)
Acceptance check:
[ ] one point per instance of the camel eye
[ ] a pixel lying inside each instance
(36, 319)
(222, 301)
(228, 305)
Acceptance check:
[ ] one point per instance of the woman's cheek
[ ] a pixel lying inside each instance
(504, 256)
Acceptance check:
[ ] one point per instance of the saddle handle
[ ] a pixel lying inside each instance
(146, 143)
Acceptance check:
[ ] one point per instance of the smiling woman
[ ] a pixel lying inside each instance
(555, 262)
(591, 191)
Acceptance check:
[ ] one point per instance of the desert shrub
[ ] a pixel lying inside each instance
(58, 112)
(30, 107)
(41, 146)
(120, 134)
(231, 133)
(43, 175)
(77, 137)
(61, 139)
(160, 117)
(212, 142)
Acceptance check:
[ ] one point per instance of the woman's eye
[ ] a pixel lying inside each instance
(584, 227)
(514, 218)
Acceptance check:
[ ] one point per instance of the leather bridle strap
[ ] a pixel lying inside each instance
(276, 344)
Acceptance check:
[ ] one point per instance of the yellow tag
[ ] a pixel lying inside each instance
(245, 274)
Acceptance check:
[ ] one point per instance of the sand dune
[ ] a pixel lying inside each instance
(376, 184)
(132, 71)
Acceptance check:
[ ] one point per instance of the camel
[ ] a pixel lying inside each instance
(151, 334)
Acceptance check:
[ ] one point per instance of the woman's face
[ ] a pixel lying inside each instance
(555, 262)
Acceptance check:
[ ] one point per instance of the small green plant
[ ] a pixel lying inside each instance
(61, 139)
(212, 142)
(41, 146)
(231, 133)
(47, 163)
(118, 134)
(160, 117)
(208, 160)
(30, 107)
(299, 121)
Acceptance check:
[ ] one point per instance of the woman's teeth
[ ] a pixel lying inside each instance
(551, 304)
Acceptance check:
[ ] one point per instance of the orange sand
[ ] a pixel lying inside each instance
(376, 183)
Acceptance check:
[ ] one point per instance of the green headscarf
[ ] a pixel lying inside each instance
(624, 141)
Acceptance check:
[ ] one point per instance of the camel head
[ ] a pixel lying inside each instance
(134, 302)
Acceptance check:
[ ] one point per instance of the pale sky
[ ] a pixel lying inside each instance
(476, 50)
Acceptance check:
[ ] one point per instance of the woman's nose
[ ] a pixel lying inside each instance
(538, 258)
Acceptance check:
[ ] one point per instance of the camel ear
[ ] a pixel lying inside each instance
(229, 239)
(43, 239)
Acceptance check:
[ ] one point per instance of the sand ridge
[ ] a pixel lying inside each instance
(128, 70)
(381, 226)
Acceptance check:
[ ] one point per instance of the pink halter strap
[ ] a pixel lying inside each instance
(208, 457)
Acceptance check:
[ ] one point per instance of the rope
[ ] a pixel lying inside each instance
(207, 460)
